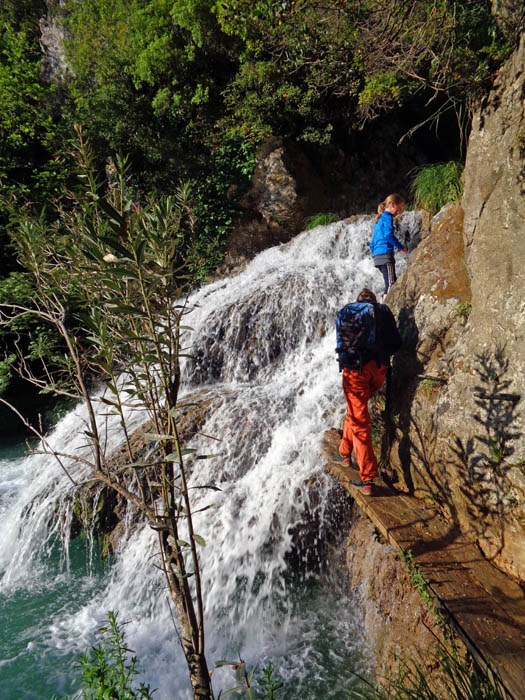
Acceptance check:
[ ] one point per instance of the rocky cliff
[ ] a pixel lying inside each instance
(398, 624)
(458, 437)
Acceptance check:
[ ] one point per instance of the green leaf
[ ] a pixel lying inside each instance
(199, 540)
(126, 310)
(112, 212)
(237, 689)
(140, 465)
(174, 456)
(157, 436)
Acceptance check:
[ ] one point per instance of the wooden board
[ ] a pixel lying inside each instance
(486, 608)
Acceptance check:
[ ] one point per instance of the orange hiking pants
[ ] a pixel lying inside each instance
(359, 387)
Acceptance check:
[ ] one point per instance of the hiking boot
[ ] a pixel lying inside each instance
(365, 487)
(348, 461)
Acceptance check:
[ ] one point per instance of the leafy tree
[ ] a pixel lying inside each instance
(22, 15)
(309, 67)
(112, 266)
(297, 64)
(140, 80)
(217, 193)
(25, 334)
(31, 136)
(33, 162)
(147, 81)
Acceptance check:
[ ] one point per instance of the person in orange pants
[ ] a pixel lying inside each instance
(358, 388)
(359, 385)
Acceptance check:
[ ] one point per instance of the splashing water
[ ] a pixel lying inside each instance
(263, 352)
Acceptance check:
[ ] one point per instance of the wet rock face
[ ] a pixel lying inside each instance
(273, 193)
(398, 623)
(250, 336)
(460, 381)
(273, 212)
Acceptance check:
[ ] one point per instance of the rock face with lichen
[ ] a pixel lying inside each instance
(54, 66)
(460, 383)
(398, 623)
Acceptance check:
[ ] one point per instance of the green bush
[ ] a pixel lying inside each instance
(217, 197)
(320, 220)
(451, 678)
(107, 671)
(436, 185)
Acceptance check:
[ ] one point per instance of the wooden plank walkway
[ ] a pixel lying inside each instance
(486, 608)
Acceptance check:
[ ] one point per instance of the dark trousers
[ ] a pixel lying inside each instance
(389, 274)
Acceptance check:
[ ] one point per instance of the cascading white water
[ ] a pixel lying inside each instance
(263, 346)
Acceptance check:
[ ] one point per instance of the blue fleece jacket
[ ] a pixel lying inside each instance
(384, 239)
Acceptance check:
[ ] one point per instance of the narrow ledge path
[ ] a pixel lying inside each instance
(485, 607)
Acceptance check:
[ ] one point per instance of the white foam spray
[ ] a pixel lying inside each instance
(263, 348)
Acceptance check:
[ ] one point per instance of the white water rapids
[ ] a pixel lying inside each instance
(264, 350)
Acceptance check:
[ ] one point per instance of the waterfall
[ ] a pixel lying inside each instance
(262, 351)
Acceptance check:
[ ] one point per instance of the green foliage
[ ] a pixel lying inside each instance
(436, 185)
(108, 671)
(31, 137)
(33, 141)
(23, 15)
(147, 81)
(59, 288)
(420, 583)
(451, 678)
(383, 87)
(319, 220)
(269, 685)
(510, 19)
(32, 338)
(6, 368)
(310, 67)
(497, 449)
(464, 310)
(20, 90)
(297, 63)
(230, 170)
(16, 288)
(111, 278)
(430, 388)
(246, 681)
(188, 88)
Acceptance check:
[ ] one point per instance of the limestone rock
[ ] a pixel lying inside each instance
(293, 180)
(273, 211)
(460, 381)
(54, 66)
(398, 623)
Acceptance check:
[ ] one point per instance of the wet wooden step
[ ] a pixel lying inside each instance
(486, 608)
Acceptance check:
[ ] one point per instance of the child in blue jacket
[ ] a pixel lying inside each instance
(384, 239)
